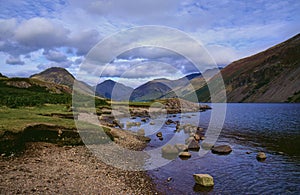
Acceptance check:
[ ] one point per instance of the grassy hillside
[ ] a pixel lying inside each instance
(17, 92)
(269, 76)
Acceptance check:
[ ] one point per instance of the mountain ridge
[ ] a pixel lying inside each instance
(268, 76)
(113, 90)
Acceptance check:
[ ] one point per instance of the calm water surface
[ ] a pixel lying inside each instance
(249, 128)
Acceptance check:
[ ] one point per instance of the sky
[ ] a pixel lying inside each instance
(38, 34)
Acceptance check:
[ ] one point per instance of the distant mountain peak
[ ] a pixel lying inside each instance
(113, 90)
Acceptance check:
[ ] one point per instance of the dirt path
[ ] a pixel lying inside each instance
(46, 168)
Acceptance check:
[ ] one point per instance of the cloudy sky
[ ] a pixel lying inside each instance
(37, 34)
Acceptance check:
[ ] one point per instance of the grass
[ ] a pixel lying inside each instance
(16, 119)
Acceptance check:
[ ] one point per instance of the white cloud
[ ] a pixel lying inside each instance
(83, 41)
(55, 56)
(7, 28)
(14, 61)
(41, 33)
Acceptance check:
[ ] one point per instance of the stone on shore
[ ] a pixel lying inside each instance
(222, 149)
(204, 179)
(261, 156)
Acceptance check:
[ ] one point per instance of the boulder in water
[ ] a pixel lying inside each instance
(204, 179)
(159, 134)
(169, 149)
(185, 155)
(261, 156)
(222, 149)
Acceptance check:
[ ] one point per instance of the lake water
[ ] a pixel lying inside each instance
(248, 129)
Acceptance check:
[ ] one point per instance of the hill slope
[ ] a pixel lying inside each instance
(269, 76)
(16, 92)
(113, 90)
(2, 76)
(61, 76)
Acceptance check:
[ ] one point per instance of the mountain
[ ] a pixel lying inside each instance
(2, 76)
(269, 76)
(161, 88)
(61, 76)
(56, 75)
(113, 90)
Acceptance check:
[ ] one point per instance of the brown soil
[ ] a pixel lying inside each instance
(46, 168)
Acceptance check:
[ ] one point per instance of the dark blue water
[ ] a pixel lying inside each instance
(248, 129)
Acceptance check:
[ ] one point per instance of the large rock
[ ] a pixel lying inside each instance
(204, 179)
(194, 145)
(169, 150)
(222, 149)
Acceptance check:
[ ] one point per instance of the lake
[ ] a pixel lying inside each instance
(248, 129)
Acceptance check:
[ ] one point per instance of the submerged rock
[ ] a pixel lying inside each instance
(204, 179)
(222, 149)
(207, 146)
(181, 147)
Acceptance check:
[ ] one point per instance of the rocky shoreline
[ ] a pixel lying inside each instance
(46, 168)
(45, 158)
(56, 161)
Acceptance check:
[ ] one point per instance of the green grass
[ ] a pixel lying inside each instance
(16, 119)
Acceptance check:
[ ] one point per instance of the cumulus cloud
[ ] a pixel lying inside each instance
(54, 55)
(14, 61)
(83, 41)
(41, 33)
(7, 28)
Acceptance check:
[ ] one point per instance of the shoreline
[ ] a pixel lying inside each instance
(48, 158)
(49, 168)
(46, 166)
